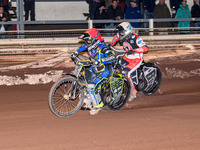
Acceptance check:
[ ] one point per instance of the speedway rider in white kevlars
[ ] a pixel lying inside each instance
(135, 47)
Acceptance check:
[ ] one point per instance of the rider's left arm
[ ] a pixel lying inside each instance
(109, 57)
(114, 40)
(142, 49)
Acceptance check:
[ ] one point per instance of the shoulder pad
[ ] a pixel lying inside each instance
(140, 42)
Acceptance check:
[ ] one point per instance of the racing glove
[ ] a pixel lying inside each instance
(98, 66)
(74, 55)
(130, 52)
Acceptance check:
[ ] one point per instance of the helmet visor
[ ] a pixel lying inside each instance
(87, 38)
(89, 41)
(120, 31)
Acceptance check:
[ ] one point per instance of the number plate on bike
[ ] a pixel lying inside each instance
(116, 86)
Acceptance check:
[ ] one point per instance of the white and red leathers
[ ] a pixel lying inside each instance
(131, 61)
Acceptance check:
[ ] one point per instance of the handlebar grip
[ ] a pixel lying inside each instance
(130, 52)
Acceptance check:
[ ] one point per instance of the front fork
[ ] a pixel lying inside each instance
(132, 86)
(73, 90)
(87, 100)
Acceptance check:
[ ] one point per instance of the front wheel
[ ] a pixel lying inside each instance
(64, 97)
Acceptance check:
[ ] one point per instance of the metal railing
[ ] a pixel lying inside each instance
(20, 24)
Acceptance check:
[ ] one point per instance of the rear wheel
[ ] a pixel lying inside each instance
(156, 84)
(123, 99)
(64, 97)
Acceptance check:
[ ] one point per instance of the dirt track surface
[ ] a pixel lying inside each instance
(165, 121)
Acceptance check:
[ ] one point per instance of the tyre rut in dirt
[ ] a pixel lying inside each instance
(64, 96)
(156, 84)
(124, 97)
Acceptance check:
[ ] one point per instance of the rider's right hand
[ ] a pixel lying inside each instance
(110, 45)
(74, 55)
(130, 52)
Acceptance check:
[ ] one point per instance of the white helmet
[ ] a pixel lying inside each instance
(124, 30)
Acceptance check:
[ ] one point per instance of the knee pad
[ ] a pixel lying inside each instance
(91, 86)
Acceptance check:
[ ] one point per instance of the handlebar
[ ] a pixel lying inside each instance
(116, 52)
(119, 53)
(77, 60)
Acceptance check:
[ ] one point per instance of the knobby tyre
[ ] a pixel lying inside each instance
(123, 99)
(64, 97)
(156, 84)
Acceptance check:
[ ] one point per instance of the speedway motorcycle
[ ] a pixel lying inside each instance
(146, 79)
(69, 94)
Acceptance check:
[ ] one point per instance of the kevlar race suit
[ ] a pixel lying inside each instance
(101, 68)
(135, 47)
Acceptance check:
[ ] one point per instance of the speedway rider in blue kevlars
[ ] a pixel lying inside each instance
(102, 59)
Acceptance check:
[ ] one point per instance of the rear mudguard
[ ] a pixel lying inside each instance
(67, 74)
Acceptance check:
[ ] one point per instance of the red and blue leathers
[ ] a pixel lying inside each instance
(102, 58)
(131, 61)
